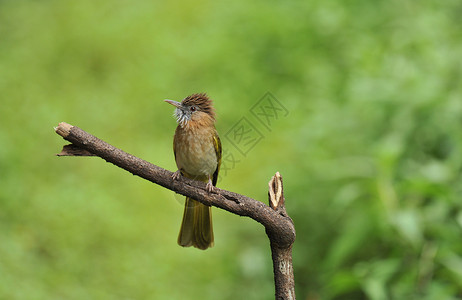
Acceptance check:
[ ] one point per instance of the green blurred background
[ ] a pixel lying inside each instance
(370, 152)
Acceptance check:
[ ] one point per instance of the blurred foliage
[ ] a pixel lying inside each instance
(371, 150)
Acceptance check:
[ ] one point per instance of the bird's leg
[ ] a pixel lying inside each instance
(176, 175)
(209, 187)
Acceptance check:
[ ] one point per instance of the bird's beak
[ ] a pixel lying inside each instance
(174, 103)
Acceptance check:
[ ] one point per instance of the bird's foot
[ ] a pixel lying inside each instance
(176, 175)
(209, 187)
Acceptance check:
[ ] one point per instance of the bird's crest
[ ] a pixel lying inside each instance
(202, 101)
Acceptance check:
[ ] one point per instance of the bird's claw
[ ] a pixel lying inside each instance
(176, 175)
(209, 187)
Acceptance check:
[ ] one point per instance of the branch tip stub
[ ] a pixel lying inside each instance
(63, 129)
(275, 191)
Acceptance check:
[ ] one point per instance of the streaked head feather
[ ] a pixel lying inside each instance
(202, 102)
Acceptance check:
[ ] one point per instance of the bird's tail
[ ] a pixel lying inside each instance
(196, 229)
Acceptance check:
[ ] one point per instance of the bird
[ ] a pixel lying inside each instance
(197, 150)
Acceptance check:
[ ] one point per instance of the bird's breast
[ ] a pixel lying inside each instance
(195, 152)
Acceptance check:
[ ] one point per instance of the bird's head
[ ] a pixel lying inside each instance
(196, 108)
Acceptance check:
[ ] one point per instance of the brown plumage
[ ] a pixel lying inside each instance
(197, 150)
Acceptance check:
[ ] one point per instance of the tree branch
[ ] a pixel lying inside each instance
(278, 225)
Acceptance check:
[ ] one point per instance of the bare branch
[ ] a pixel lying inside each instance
(279, 227)
(282, 256)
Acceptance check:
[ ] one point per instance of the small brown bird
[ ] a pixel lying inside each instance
(197, 150)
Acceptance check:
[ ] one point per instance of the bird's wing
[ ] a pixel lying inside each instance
(217, 146)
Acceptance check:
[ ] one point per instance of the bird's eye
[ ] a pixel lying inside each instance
(193, 108)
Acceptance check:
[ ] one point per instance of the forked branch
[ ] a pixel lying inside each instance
(278, 225)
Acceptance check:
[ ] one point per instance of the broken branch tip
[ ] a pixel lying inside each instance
(63, 129)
